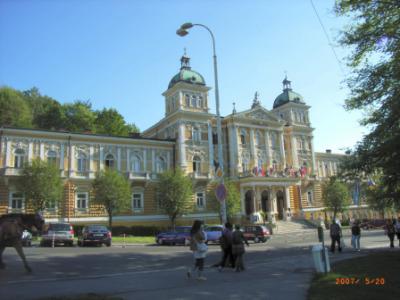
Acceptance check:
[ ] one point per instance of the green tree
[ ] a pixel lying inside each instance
(42, 184)
(374, 37)
(232, 201)
(14, 111)
(376, 196)
(78, 116)
(46, 111)
(109, 121)
(175, 194)
(113, 191)
(335, 196)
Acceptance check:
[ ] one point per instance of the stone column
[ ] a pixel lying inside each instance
(62, 156)
(242, 194)
(252, 150)
(268, 149)
(182, 147)
(41, 150)
(71, 160)
(119, 159)
(254, 199)
(144, 160)
(282, 148)
(153, 160)
(168, 160)
(294, 153)
(91, 151)
(7, 162)
(128, 160)
(235, 149)
(30, 151)
(272, 205)
(231, 133)
(314, 166)
(210, 149)
(101, 158)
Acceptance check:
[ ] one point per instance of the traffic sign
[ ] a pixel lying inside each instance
(220, 192)
(219, 173)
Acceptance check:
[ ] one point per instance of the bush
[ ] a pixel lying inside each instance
(137, 230)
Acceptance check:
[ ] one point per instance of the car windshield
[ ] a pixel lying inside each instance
(214, 229)
(183, 229)
(97, 227)
(59, 227)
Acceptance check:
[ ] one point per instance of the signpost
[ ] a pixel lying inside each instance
(220, 192)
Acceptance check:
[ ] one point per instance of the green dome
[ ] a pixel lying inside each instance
(188, 76)
(287, 96)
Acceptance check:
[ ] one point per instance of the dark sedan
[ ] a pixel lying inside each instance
(181, 235)
(95, 235)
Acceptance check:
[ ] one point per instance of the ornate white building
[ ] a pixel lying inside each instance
(268, 153)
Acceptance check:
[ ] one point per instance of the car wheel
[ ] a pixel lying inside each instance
(108, 244)
(71, 244)
(256, 240)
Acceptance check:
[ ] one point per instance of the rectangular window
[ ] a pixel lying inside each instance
(51, 160)
(82, 201)
(19, 161)
(17, 201)
(81, 164)
(310, 197)
(137, 201)
(200, 200)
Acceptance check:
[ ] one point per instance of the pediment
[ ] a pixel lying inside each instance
(259, 114)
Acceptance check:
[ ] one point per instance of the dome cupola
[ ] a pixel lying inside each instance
(288, 95)
(186, 74)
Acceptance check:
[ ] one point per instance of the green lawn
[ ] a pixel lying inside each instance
(371, 277)
(134, 239)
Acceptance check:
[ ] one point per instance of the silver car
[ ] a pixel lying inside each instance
(58, 233)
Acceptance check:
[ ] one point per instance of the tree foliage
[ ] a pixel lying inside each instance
(113, 191)
(14, 111)
(41, 183)
(31, 109)
(335, 196)
(232, 201)
(175, 194)
(374, 36)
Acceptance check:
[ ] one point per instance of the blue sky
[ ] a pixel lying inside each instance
(122, 54)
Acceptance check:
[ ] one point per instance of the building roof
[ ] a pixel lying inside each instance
(288, 95)
(186, 74)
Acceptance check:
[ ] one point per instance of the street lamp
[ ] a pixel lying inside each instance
(182, 31)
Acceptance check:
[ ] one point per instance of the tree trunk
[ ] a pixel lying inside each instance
(334, 215)
(110, 220)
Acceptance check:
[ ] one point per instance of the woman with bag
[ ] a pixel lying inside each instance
(238, 241)
(198, 245)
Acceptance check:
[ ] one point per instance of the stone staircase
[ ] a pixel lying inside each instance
(294, 226)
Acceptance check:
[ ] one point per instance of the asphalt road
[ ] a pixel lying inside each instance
(279, 269)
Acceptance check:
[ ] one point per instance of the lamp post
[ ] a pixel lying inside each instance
(182, 31)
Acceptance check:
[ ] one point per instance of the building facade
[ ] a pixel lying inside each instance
(269, 154)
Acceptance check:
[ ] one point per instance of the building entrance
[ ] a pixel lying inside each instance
(281, 205)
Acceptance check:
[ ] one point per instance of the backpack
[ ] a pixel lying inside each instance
(335, 230)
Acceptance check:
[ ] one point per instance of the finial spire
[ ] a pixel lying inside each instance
(256, 102)
(234, 108)
(185, 60)
(286, 83)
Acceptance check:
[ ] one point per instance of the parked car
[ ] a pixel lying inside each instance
(214, 232)
(26, 238)
(61, 233)
(181, 235)
(256, 233)
(95, 235)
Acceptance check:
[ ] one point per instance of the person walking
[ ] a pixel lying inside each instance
(390, 231)
(238, 241)
(199, 247)
(397, 228)
(355, 235)
(226, 246)
(335, 233)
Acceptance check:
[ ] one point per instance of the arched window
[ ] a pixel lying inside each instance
(200, 101)
(196, 165)
(51, 157)
(187, 100)
(160, 165)
(19, 158)
(109, 161)
(136, 164)
(194, 102)
(245, 165)
(81, 161)
(273, 140)
(243, 137)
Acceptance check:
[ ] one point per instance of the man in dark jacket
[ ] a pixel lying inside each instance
(335, 236)
(226, 246)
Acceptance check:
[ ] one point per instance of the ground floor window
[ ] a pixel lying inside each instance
(310, 197)
(82, 201)
(200, 200)
(17, 200)
(137, 201)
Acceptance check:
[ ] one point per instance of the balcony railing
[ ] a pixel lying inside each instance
(139, 175)
(199, 175)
